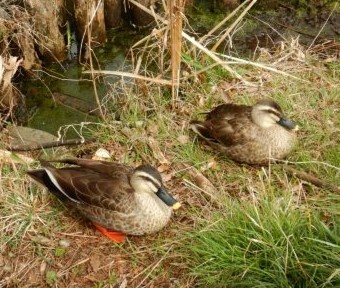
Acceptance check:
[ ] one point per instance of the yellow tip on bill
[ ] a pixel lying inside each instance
(176, 206)
(296, 128)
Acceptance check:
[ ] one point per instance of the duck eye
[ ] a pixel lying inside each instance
(270, 111)
(150, 180)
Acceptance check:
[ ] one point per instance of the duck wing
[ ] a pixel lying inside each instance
(224, 124)
(88, 184)
(102, 167)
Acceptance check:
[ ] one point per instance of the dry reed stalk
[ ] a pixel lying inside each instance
(175, 10)
(232, 26)
(88, 31)
(194, 42)
(323, 26)
(215, 58)
(197, 44)
(132, 75)
(262, 66)
(190, 39)
(219, 25)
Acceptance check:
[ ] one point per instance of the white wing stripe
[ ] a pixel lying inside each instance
(55, 182)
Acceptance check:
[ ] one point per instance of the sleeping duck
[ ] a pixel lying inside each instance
(248, 134)
(113, 196)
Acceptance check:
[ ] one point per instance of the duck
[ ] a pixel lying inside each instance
(118, 199)
(248, 134)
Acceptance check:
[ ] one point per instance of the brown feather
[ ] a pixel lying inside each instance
(230, 128)
(101, 191)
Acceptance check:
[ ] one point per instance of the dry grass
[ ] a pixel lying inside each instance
(42, 244)
(34, 226)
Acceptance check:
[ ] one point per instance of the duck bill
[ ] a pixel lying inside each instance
(288, 124)
(168, 199)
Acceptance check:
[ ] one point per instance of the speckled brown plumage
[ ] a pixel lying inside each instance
(231, 129)
(101, 191)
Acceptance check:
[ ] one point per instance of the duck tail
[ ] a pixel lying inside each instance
(43, 178)
(200, 129)
(47, 177)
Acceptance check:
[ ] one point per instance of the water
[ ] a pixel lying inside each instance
(63, 95)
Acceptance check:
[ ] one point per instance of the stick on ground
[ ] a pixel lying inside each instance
(312, 179)
(37, 146)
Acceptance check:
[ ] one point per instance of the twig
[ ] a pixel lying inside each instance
(37, 146)
(312, 179)
(270, 26)
(306, 162)
(293, 29)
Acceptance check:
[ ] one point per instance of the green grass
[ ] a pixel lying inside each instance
(260, 227)
(271, 244)
(290, 237)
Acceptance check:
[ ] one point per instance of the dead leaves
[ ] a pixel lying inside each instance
(200, 180)
(158, 154)
(95, 262)
(8, 68)
(183, 139)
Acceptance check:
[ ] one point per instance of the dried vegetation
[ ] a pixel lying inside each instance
(43, 244)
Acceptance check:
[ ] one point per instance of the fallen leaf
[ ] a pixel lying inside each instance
(126, 132)
(121, 282)
(101, 154)
(200, 180)
(43, 266)
(201, 101)
(156, 151)
(163, 167)
(95, 262)
(64, 243)
(167, 177)
(183, 139)
(152, 129)
(139, 123)
(40, 239)
(91, 277)
(210, 165)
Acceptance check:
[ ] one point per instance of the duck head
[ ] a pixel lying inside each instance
(146, 179)
(267, 113)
